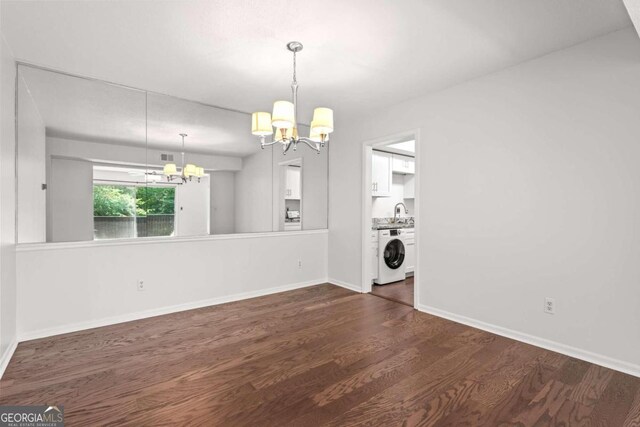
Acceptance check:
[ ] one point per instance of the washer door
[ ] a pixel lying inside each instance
(394, 254)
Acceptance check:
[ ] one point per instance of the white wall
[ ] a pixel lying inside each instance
(123, 154)
(529, 188)
(7, 204)
(96, 283)
(253, 201)
(223, 218)
(382, 207)
(70, 200)
(32, 199)
(192, 207)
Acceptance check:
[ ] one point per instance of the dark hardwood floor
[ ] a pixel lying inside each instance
(401, 291)
(321, 355)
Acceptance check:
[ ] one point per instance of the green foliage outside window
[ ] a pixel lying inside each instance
(121, 201)
(155, 201)
(113, 200)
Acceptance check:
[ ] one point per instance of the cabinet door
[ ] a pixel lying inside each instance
(409, 187)
(374, 255)
(295, 183)
(411, 165)
(403, 164)
(381, 174)
(287, 183)
(410, 256)
(293, 188)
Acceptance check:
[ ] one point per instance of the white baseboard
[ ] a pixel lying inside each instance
(598, 359)
(6, 357)
(75, 327)
(345, 285)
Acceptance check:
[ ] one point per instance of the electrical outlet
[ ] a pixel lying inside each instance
(299, 263)
(141, 286)
(549, 305)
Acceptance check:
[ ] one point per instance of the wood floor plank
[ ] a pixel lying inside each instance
(546, 403)
(592, 385)
(443, 404)
(401, 292)
(571, 414)
(397, 402)
(632, 418)
(518, 397)
(320, 355)
(616, 400)
(363, 377)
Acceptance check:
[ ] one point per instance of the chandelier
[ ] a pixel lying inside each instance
(186, 172)
(284, 119)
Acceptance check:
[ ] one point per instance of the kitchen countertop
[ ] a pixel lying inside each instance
(389, 226)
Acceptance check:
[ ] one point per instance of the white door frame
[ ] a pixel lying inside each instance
(367, 148)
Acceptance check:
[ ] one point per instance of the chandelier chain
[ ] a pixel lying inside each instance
(294, 67)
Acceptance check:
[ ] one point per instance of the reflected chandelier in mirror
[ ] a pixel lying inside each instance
(187, 171)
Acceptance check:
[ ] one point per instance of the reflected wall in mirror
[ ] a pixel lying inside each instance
(100, 161)
(213, 144)
(290, 195)
(313, 189)
(67, 126)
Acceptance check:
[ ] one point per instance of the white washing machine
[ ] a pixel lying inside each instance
(391, 256)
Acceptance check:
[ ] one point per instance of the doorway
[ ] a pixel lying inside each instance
(390, 218)
(287, 214)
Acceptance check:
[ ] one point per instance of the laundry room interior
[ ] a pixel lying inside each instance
(393, 178)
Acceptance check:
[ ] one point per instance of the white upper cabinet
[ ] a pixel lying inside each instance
(294, 187)
(409, 187)
(404, 164)
(381, 174)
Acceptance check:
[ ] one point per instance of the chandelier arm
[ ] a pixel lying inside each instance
(268, 144)
(310, 143)
(287, 145)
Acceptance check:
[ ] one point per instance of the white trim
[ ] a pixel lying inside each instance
(598, 359)
(28, 247)
(75, 327)
(417, 220)
(345, 285)
(6, 357)
(365, 226)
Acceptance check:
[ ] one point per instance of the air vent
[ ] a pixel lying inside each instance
(166, 157)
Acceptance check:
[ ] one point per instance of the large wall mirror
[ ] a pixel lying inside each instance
(98, 161)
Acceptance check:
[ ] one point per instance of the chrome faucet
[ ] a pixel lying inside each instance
(396, 211)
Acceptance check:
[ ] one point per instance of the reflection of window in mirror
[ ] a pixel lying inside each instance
(125, 207)
(291, 195)
(134, 202)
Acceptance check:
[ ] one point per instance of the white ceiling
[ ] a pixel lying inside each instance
(359, 55)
